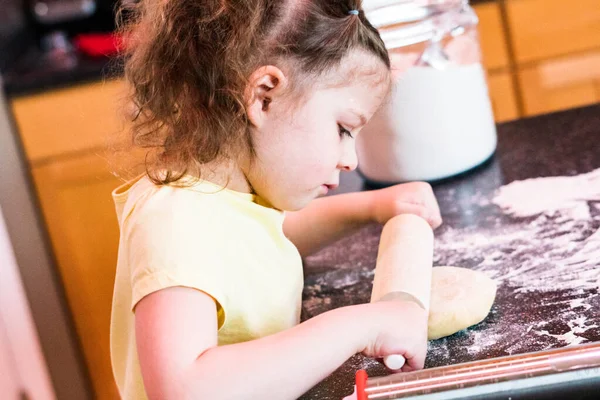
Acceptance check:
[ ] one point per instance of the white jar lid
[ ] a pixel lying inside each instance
(407, 22)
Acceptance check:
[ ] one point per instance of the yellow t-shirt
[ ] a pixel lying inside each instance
(227, 244)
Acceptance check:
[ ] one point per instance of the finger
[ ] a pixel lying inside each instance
(435, 221)
(412, 208)
(415, 359)
(429, 214)
(408, 368)
(434, 209)
(414, 364)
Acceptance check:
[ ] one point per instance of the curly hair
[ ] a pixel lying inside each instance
(188, 61)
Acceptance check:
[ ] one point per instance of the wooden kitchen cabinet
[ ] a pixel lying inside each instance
(75, 198)
(492, 36)
(542, 29)
(496, 60)
(69, 121)
(65, 135)
(561, 83)
(503, 96)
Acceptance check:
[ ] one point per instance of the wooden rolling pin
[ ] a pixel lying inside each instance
(404, 266)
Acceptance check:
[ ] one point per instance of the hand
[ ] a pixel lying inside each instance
(397, 328)
(408, 198)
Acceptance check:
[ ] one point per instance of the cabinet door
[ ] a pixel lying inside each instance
(561, 83)
(502, 93)
(548, 28)
(69, 121)
(75, 197)
(492, 35)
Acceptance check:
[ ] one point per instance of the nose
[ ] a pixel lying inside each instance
(348, 160)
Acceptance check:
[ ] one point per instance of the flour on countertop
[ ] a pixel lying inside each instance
(552, 246)
(577, 325)
(557, 246)
(568, 195)
(543, 254)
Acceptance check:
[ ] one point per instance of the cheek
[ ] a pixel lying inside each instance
(319, 157)
(322, 140)
(303, 149)
(313, 146)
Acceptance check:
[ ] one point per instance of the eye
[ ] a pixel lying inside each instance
(344, 132)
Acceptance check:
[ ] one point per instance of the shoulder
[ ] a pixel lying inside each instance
(175, 204)
(170, 228)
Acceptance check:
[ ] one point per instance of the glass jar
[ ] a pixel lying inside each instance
(437, 121)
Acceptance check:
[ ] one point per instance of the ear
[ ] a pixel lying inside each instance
(265, 86)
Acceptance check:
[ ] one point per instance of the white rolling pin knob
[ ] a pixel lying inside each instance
(404, 267)
(394, 362)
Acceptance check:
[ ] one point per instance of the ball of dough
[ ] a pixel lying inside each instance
(460, 298)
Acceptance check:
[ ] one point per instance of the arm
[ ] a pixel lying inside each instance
(326, 220)
(179, 358)
(329, 219)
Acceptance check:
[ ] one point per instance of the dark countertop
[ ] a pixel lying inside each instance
(34, 73)
(536, 307)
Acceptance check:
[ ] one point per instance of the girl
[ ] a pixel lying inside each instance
(249, 110)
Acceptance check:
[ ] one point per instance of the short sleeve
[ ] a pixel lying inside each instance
(178, 246)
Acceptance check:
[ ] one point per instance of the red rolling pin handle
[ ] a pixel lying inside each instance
(361, 385)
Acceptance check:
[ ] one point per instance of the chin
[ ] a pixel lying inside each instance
(293, 204)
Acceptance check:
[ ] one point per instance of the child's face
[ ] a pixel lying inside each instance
(301, 150)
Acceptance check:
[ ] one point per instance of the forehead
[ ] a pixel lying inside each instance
(360, 77)
(358, 68)
(360, 82)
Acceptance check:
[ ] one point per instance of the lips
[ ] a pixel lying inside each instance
(331, 186)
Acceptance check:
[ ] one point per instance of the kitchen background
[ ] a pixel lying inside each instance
(541, 56)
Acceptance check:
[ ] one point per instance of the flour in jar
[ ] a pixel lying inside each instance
(436, 123)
